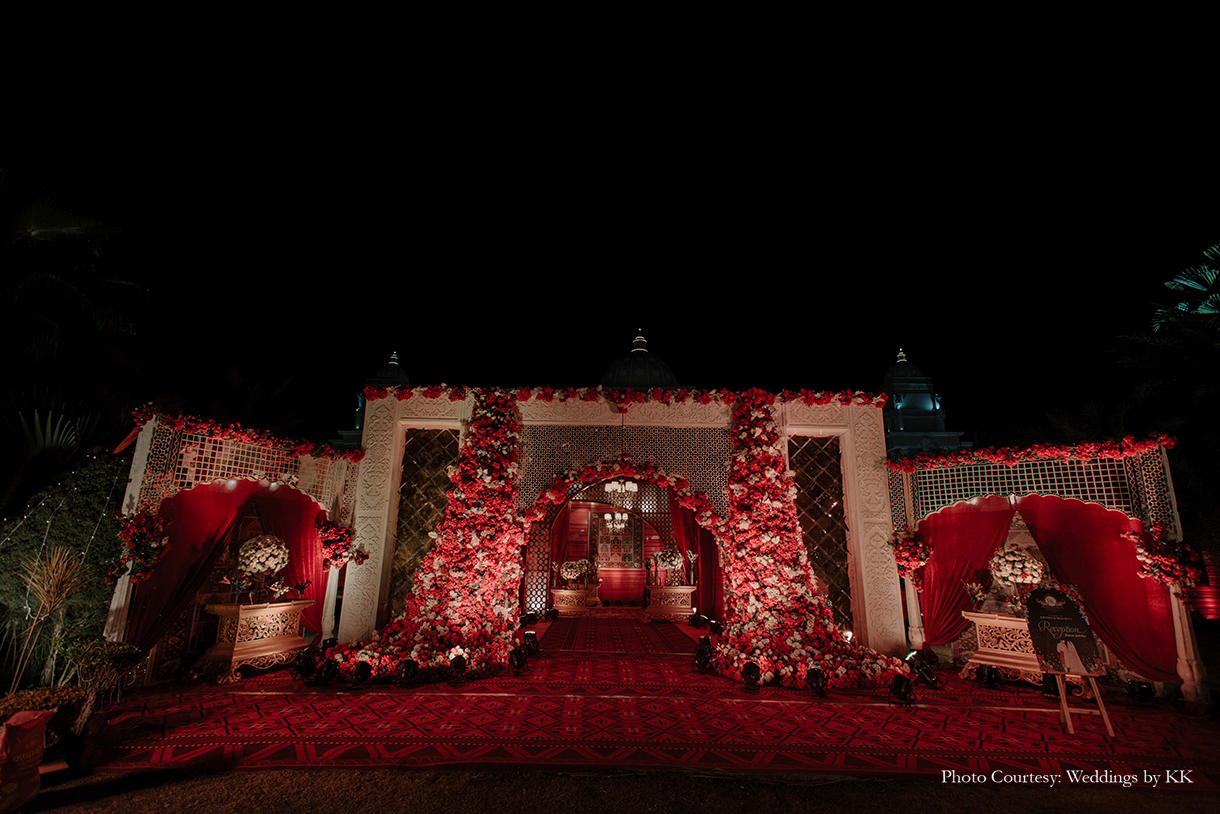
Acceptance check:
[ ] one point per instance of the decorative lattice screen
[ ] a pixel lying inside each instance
(426, 458)
(820, 510)
(178, 460)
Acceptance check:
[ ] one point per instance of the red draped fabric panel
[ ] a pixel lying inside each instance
(1083, 546)
(710, 599)
(201, 519)
(963, 537)
(686, 530)
(292, 516)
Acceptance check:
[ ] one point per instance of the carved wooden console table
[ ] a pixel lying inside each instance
(1004, 643)
(571, 602)
(258, 635)
(670, 602)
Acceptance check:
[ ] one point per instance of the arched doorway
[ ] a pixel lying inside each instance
(642, 522)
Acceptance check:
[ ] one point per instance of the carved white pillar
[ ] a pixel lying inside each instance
(867, 490)
(914, 617)
(120, 601)
(1190, 668)
(328, 603)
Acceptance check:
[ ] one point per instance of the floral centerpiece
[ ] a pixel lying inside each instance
(144, 542)
(670, 559)
(910, 553)
(260, 559)
(1015, 567)
(574, 569)
(1173, 564)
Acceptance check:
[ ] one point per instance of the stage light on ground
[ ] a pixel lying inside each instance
(815, 680)
(703, 654)
(1141, 692)
(362, 673)
(517, 659)
(406, 672)
(531, 618)
(553, 614)
(988, 676)
(715, 628)
(458, 665)
(304, 665)
(328, 671)
(328, 644)
(902, 691)
(751, 673)
(697, 621)
(531, 644)
(918, 664)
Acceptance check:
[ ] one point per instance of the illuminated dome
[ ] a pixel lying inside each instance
(639, 370)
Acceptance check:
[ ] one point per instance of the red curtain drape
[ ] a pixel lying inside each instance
(1083, 546)
(200, 520)
(963, 537)
(711, 602)
(686, 530)
(559, 538)
(292, 516)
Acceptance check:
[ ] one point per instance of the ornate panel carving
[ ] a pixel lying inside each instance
(418, 407)
(817, 415)
(878, 575)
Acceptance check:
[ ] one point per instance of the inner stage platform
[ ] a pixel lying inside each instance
(628, 702)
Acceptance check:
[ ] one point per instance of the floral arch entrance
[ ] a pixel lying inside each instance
(668, 504)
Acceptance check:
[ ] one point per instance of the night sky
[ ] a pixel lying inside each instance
(282, 267)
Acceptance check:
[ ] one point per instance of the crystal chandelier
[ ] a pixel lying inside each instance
(616, 521)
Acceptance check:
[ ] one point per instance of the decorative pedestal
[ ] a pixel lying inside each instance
(1004, 643)
(258, 635)
(672, 602)
(572, 602)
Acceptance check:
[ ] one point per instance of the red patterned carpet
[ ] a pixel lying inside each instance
(630, 710)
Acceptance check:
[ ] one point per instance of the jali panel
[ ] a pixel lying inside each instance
(427, 456)
(820, 510)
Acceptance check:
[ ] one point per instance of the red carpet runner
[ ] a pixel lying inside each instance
(636, 710)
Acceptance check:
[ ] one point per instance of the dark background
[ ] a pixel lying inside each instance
(267, 264)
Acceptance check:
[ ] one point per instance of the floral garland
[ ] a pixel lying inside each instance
(1015, 567)
(1173, 564)
(236, 432)
(144, 543)
(465, 596)
(776, 618)
(338, 547)
(1084, 452)
(625, 398)
(910, 553)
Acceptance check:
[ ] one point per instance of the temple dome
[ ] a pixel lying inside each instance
(390, 374)
(639, 370)
(901, 371)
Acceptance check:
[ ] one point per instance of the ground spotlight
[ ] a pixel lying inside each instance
(815, 680)
(406, 672)
(751, 673)
(362, 673)
(988, 675)
(531, 644)
(715, 627)
(517, 659)
(902, 691)
(329, 643)
(917, 661)
(703, 654)
(304, 666)
(1050, 687)
(531, 618)
(553, 614)
(458, 665)
(697, 620)
(1141, 692)
(328, 671)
